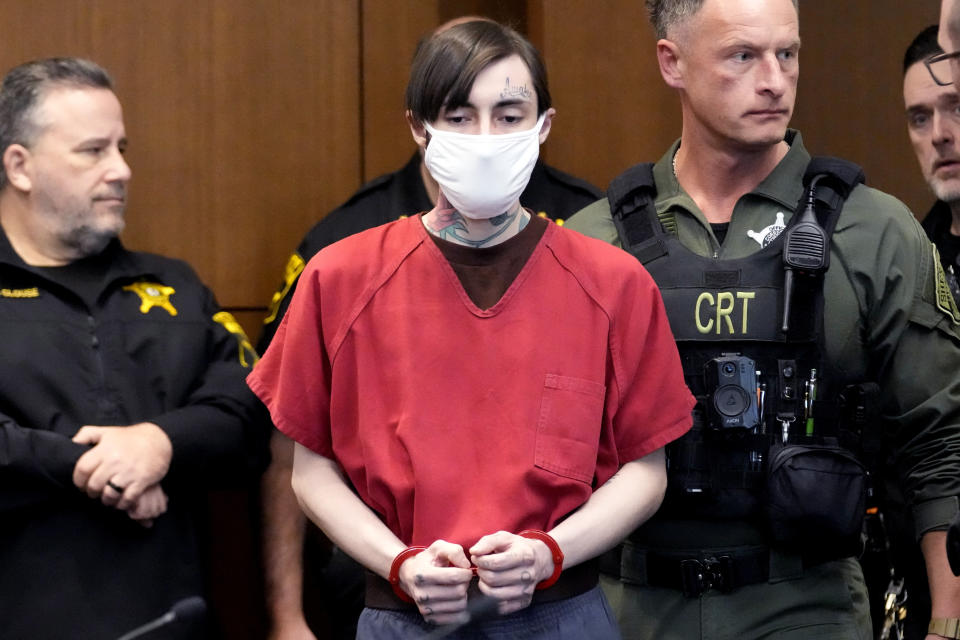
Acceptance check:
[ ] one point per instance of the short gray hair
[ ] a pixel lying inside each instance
(23, 88)
(666, 14)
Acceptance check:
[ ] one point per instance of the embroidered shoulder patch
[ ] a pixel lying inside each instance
(32, 292)
(153, 294)
(291, 272)
(945, 301)
(230, 324)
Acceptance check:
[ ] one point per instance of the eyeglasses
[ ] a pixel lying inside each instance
(939, 67)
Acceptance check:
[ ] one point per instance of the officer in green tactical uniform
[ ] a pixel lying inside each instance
(800, 300)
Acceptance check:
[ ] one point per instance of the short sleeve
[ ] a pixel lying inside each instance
(293, 377)
(654, 404)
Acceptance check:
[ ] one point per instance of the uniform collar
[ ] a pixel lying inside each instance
(119, 262)
(784, 185)
(938, 219)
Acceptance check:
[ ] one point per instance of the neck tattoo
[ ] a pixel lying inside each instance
(451, 226)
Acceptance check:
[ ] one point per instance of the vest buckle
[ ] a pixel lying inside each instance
(702, 575)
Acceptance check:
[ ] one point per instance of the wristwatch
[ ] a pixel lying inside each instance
(946, 627)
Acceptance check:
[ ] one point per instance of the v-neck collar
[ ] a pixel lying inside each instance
(451, 275)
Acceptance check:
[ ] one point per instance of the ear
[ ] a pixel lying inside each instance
(417, 130)
(668, 55)
(547, 122)
(16, 164)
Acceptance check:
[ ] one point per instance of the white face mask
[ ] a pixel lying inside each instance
(482, 175)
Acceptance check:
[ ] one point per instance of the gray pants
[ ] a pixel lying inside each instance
(828, 602)
(583, 617)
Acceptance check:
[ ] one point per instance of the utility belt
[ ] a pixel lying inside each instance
(572, 582)
(694, 572)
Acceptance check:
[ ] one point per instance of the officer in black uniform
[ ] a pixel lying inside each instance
(332, 584)
(122, 392)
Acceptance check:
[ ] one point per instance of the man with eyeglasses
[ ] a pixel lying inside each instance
(949, 38)
(932, 107)
(933, 122)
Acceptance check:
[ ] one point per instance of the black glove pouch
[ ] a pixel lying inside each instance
(816, 497)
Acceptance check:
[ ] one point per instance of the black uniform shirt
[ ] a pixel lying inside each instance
(937, 225)
(148, 344)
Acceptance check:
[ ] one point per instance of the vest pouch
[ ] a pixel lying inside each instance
(816, 497)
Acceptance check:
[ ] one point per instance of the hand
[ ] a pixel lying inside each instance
(437, 580)
(509, 567)
(132, 458)
(151, 505)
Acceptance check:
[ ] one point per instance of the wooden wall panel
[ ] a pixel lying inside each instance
(851, 88)
(243, 119)
(614, 109)
(391, 31)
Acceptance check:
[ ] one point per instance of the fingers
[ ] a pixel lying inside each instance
(133, 458)
(112, 494)
(443, 606)
(88, 435)
(114, 484)
(437, 580)
(502, 551)
(441, 593)
(513, 590)
(129, 497)
(499, 541)
(151, 504)
(507, 569)
(448, 554)
(82, 469)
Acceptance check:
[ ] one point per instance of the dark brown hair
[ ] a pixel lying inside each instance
(922, 47)
(446, 65)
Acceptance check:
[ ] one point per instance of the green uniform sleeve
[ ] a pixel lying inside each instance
(910, 337)
(595, 221)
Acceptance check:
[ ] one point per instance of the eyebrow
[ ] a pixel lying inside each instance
(738, 42)
(949, 98)
(102, 141)
(512, 102)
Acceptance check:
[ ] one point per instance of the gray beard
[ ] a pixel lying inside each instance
(85, 242)
(947, 193)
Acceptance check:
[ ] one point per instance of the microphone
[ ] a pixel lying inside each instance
(185, 609)
(479, 607)
(805, 249)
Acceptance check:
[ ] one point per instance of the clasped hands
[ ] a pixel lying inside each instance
(508, 567)
(124, 467)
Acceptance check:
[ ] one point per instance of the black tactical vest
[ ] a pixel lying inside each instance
(755, 382)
